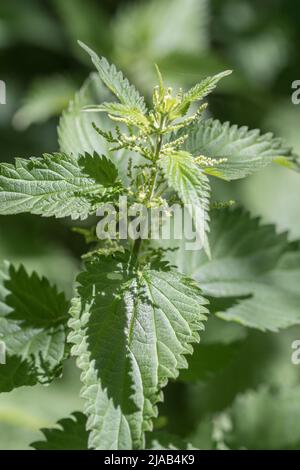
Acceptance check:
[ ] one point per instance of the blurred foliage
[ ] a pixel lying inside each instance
(43, 67)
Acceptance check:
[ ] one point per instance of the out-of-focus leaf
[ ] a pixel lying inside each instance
(211, 432)
(219, 332)
(85, 20)
(207, 360)
(253, 266)
(263, 358)
(144, 34)
(282, 118)
(266, 419)
(46, 97)
(262, 56)
(150, 26)
(76, 132)
(28, 22)
(25, 410)
(160, 440)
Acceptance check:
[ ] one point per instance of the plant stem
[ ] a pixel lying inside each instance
(136, 247)
(156, 157)
(138, 242)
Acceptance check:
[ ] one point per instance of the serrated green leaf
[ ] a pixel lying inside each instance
(70, 434)
(199, 92)
(192, 186)
(32, 330)
(76, 133)
(115, 82)
(205, 87)
(153, 317)
(99, 169)
(54, 185)
(15, 373)
(246, 150)
(33, 301)
(253, 266)
(118, 110)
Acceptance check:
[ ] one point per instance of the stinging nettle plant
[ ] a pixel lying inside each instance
(140, 306)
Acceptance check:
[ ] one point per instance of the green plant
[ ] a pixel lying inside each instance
(140, 306)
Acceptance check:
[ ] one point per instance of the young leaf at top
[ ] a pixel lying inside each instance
(198, 92)
(33, 318)
(153, 317)
(238, 151)
(115, 82)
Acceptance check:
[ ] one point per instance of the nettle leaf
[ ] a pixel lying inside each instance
(265, 419)
(100, 169)
(16, 372)
(33, 301)
(54, 185)
(118, 110)
(33, 318)
(115, 81)
(199, 92)
(245, 150)
(70, 434)
(148, 28)
(131, 332)
(76, 132)
(192, 186)
(205, 87)
(160, 440)
(253, 266)
(46, 98)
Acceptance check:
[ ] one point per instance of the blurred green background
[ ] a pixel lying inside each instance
(43, 66)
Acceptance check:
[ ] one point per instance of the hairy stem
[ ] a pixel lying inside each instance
(156, 157)
(151, 192)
